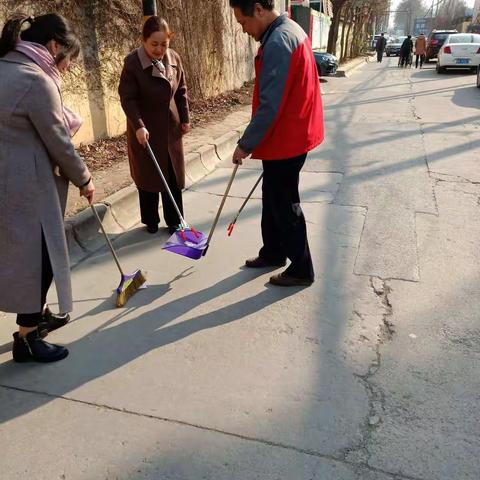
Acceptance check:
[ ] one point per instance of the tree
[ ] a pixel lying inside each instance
(451, 13)
(407, 11)
(353, 18)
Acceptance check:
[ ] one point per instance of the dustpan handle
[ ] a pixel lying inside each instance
(210, 235)
(152, 155)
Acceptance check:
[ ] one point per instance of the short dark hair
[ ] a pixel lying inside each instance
(41, 30)
(155, 24)
(247, 7)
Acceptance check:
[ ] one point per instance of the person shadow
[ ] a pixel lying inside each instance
(126, 337)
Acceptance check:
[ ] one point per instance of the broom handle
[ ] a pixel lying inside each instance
(222, 204)
(110, 246)
(248, 197)
(152, 155)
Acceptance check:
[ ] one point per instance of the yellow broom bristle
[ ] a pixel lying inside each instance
(130, 289)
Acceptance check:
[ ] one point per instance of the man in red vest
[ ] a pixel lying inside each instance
(287, 122)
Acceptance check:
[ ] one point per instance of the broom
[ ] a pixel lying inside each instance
(129, 283)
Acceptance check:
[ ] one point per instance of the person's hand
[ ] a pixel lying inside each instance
(142, 136)
(239, 155)
(185, 128)
(88, 192)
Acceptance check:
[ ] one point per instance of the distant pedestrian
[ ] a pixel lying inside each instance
(287, 123)
(380, 47)
(420, 50)
(35, 137)
(406, 51)
(156, 105)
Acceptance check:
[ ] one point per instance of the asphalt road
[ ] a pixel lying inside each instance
(210, 373)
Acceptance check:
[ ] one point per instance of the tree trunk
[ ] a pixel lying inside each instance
(333, 33)
(351, 23)
(347, 11)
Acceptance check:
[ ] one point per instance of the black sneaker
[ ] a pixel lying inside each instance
(51, 321)
(32, 348)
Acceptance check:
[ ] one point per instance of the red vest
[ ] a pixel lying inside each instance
(298, 126)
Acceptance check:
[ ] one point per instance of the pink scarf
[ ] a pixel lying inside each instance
(44, 59)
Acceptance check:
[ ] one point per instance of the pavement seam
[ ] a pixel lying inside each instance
(269, 443)
(450, 176)
(112, 213)
(375, 394)
(417, 119)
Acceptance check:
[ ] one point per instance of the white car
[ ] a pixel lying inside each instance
(460, 50)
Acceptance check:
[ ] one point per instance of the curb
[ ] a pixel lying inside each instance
(351, 66)
(120, 211)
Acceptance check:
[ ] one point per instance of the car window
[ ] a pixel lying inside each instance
(464, 39)
(440, 36)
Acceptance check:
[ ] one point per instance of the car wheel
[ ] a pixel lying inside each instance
(388, 54)
(478, 78)
(439, 69)
(427, 60)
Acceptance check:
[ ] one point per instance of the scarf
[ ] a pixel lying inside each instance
(44, 59)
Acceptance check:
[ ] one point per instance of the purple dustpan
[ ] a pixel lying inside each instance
(188, 243)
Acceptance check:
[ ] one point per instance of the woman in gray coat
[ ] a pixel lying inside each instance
(37, 161)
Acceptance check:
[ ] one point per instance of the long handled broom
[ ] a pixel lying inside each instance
(234, 221)
(220, 208)
(129, 283)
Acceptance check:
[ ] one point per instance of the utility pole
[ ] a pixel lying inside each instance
(149, 8)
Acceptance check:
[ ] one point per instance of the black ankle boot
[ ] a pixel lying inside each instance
(32, 348)
(51, 321)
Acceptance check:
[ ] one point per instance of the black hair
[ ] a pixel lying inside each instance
(247, 7)
(155, 24)
(41, 30)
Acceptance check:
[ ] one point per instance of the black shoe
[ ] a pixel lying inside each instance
(152, 228)
(51, 321)
(259, 262)
(172, 229)
(32, 348)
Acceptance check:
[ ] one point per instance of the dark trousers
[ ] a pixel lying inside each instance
(149, 203)
(379, 55)
(284, 231)
(421, 58)
(32, 319)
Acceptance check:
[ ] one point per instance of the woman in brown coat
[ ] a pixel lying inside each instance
(156, 105)
(420, 49)
(37, 161)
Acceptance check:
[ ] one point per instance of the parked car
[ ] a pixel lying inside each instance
(435, 41)
(460, 50)
(327, 64)
(393, 46)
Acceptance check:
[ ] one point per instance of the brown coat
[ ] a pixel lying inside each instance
(421, 45)
(33, 138)
(159, 103)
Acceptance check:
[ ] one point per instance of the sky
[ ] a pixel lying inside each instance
(394, 4)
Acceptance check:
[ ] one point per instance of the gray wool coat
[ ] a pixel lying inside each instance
(33, 139)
